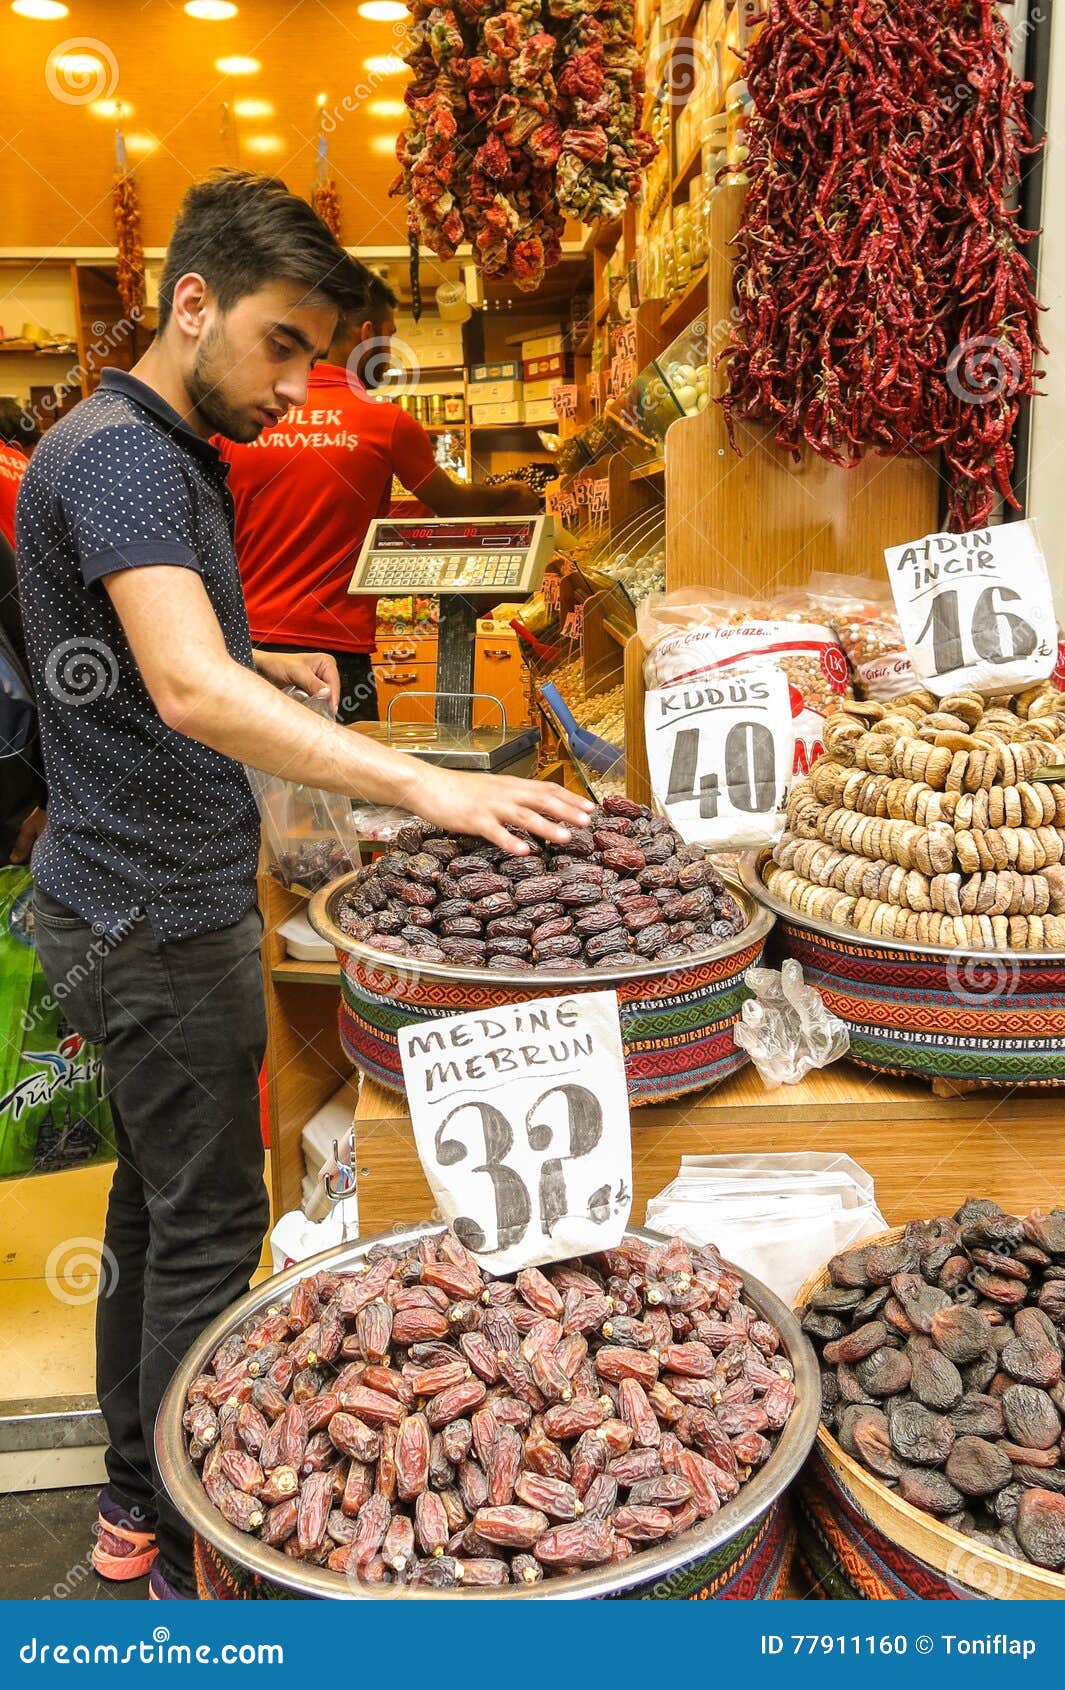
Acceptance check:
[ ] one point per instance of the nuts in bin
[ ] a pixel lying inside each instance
(421, 1422)
(604, 881)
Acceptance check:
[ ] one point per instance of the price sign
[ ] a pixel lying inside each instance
(521, 1119)
(720, 754)
(564, 399)
(599, 500)
(625, 342)
(976, 609)
(580, 490)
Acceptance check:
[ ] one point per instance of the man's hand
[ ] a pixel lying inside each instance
(489, 805)
(28, 835)
(314, 672)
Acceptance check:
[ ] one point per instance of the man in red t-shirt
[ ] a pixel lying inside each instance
(307, 490)
(13, 463)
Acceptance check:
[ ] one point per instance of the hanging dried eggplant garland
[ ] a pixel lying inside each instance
(520, 117)
(126, 207)
(325, 199)
(884, 302)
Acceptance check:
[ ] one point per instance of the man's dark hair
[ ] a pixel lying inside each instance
(380, 300)
(241, 231)
(17, 426)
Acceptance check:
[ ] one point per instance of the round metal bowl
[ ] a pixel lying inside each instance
(676, 1017)
(322, 916)
(970, 1016)
(649, 1568)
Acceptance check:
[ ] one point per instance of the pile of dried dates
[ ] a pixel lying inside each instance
(941, 1364)
(420, 1421)
(315, 863)
(623, 891)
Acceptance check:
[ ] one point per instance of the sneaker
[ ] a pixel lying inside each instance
(161, 1590)
(121, 1550)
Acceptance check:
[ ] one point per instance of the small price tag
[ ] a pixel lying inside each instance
(720, 754)
(625, 342)
(521, 1119)
(581, 489)
(564, 399)
(599, 500)
(976, 609)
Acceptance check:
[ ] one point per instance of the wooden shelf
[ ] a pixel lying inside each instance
(687, 306)
(647, 472)
(293, 971)
(39, 352)
(509, 428)
(925, 1153)
(691, 167)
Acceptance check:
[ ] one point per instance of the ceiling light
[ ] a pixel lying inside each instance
(387, 108)
(384, 64)
(141, 142)
(78, 64)
(382, 11)
(237, 65)
(264, 144)
(248, 107)
(112, 109)
(47, 10)
(384, 144)
(211, 11)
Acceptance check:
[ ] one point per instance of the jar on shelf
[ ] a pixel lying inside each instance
(682, 246)
(697, 206)
(715, 151)
(436, 410)
(737, 113)
(454, 408)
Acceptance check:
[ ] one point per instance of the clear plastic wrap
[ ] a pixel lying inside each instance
(862, 613)
(310, 834)
(785, 1028)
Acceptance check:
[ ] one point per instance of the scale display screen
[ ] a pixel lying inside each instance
(480, 555)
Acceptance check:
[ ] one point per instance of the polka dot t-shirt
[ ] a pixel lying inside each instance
(140, 817)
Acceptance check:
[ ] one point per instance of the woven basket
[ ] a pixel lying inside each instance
(858, 1539)
(972, 1017)
(676, 1023)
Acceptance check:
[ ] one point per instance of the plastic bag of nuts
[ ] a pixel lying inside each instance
(694, 633)
(862, 613)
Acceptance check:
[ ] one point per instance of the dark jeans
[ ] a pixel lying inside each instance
(358, 689)
(182, 1029)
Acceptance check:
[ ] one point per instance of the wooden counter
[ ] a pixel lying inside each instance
(925, 1153)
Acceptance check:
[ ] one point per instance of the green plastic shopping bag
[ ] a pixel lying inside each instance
(52, 1110)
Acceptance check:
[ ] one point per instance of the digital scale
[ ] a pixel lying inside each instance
(461, 560)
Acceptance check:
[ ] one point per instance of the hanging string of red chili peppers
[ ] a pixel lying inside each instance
(126, 207)
(520, 117)
(325, 199)
(883, 299)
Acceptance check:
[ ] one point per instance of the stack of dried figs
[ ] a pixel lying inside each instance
(623, 891)
(421, 1421)
(942, 1371)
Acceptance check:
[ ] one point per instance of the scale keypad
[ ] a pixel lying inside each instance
(452, 570)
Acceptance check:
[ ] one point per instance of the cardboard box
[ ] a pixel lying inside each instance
(540, 411)
(551, 364)
(495, 392)
(535, 390)
(494, 373)
(498, 416)
(542, 345)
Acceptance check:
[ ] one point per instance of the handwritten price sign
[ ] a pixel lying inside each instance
(564, 399)
(521, 1119)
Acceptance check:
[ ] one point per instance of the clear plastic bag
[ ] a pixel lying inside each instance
(785, 1028)
(696, 632)
(310, 834)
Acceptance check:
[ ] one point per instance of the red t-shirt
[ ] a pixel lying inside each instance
(12, 468)
(305, 493)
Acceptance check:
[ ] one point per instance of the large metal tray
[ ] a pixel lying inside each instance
(750, 870)
(321, 914)
(187, 1494)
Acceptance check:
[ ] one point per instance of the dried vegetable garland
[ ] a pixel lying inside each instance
(884, 300)
(325, 200)
(520, 118)
(126, 206)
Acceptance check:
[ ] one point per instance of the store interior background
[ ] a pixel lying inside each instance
(56, 167)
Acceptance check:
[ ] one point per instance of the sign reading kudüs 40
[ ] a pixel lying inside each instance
(521, 1120)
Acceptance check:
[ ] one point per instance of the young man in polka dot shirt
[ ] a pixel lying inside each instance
(150, 704)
